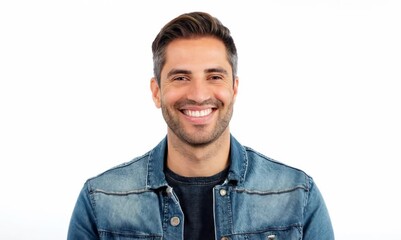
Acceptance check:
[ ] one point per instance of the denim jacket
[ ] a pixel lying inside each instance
(260, 199)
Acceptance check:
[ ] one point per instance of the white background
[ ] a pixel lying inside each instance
(319, 90)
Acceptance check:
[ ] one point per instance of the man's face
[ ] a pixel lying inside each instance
(197, 91)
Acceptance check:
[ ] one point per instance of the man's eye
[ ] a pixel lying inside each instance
(180, 78)
(216, 77)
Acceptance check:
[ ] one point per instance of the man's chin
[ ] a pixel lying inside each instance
(196, 138)
(197, 141)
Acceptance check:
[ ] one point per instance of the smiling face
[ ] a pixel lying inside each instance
(197, 91)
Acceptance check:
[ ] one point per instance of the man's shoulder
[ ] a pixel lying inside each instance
(260, 158)
(267, 172)
(128, 176)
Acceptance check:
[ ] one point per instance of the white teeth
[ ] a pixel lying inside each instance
(201, 113)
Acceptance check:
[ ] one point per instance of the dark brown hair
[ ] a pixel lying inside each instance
(192, 25)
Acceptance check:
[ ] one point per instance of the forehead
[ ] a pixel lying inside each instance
(196, 51)
(196, 41)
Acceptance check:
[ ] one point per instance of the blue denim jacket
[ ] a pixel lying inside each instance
(261, 199)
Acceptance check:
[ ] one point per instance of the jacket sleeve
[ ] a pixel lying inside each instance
(83, 220)
(317, 223)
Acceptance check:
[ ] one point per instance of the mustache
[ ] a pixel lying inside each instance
(210, 102)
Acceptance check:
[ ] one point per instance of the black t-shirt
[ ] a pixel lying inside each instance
(196, 199)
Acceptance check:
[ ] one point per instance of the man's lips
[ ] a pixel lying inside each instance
(197, 113)
(198, 110)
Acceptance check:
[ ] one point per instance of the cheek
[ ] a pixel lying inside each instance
(170, 97)
(225, 95)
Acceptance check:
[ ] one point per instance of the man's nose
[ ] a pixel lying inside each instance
(199, 91)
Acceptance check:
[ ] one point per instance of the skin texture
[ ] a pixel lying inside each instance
(196, 96)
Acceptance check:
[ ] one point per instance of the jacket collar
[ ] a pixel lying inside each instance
(156, 160)
(238, 162)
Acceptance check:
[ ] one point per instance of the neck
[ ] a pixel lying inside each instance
(198, 161)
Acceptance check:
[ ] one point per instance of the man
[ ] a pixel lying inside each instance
(199, 182)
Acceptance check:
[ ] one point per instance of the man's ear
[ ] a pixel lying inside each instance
(155, 89)
(236, 82)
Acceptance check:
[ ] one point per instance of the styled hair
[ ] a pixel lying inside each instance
(192, 25)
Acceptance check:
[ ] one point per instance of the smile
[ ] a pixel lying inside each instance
(201, 113)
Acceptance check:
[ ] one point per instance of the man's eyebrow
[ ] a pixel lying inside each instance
(187, 72)
(178, 71)
(216, 70)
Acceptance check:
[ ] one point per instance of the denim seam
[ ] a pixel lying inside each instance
(245, 165)
(276, 228)
(121, 193)
(231, 220)
(148, 168)
(307, 196)
(130, 234)
(272, 160)
(93, 204)
(270, 192)
(137, 159)
(165, 213)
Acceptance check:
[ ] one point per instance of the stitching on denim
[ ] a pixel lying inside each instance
(245, 165)
(129, 234)
(307, 196)
(242, 190)
(122, 165)
(273, 160)
(121, 193)
(297, 226)
(165, 213)
(148, 168)
(92, 203)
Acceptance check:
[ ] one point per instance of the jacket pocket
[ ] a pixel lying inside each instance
(106, 235)
(291, 233)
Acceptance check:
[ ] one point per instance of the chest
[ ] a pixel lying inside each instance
(237, 214)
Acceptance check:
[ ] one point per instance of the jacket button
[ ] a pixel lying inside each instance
(271, 237)
(224, 238)
(223, 192)
(175, 221)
